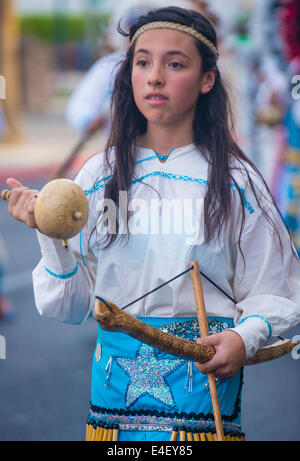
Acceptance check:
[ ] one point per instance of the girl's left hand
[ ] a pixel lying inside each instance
(229, 357)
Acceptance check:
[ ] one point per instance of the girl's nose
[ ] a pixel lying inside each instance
(155, 77)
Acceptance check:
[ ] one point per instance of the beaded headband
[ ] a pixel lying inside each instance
(175, 26)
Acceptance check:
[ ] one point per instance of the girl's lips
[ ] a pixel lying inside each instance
(156, 99)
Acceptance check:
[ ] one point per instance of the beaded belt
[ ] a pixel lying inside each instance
(105, 425)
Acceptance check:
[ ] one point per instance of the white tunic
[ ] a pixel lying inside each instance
(166, 234)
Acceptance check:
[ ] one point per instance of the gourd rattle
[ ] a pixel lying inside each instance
(60, 210)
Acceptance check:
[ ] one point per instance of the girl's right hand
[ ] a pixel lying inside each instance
(21, 202)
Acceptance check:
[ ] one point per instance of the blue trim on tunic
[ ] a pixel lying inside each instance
(63, 276)
(163, 174)
(261, 318)
(164, 157)
(80, 242)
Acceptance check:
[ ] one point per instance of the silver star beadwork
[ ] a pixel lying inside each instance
(146, 374)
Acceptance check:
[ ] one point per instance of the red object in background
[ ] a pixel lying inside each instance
(289, 22)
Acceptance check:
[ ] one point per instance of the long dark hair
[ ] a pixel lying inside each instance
(213, 131)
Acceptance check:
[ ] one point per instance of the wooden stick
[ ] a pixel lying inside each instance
(201, 313)
(5, 194)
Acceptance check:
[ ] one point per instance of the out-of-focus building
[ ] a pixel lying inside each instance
(9, 71)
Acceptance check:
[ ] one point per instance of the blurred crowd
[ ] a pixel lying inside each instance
(259, 44)
(260, 49)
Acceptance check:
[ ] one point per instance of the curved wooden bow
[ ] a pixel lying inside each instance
(111, 318)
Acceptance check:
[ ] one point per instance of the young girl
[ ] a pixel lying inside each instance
(171, 187)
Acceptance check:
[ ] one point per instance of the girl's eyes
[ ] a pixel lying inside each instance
(141, 63)
(174, 65)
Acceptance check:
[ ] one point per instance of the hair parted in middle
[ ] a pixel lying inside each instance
(213, 131)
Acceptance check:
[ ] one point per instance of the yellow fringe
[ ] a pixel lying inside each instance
(93, 434)
(110, 435)
(209, 437)
(89, 429)
(101, 434)
(182, 436)
(115, 435)
(189, 436)
(104, 434)
(174, 436)
(98, 434)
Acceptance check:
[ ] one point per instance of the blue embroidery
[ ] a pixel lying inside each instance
(163, 157)
(245, 201)
(177, 177)
(259, 317)
(62, 276)
(145, 159)
(98, 186)
(80, 240)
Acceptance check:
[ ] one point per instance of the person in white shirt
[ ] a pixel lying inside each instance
(172, 186)
(89, 106)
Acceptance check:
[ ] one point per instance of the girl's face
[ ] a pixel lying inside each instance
(167, 77)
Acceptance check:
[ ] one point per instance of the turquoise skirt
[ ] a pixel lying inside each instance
(140, 393)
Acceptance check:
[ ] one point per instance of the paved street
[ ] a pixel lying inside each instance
(45, 378)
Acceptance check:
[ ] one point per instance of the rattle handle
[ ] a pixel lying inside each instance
(5, 194)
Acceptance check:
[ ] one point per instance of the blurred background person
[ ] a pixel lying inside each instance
(288, 181)
(88, 109)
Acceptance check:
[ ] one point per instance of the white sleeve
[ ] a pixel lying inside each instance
(267, 287)
(63, 282)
